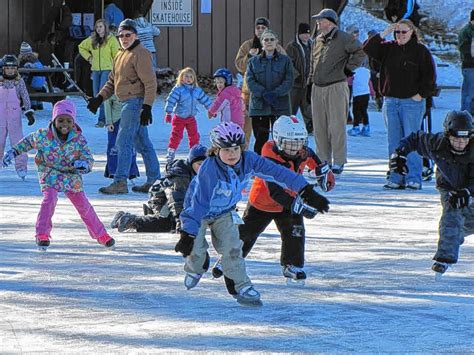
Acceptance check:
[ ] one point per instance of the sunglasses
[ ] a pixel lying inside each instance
(126, 35)
(401, 31)
(269, 39)
(261, 27)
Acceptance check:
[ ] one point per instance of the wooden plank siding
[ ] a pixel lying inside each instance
(212, 42)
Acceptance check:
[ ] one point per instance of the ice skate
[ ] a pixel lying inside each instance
(107, 241)
(295, 276)
(170, 155)
(191, 280)
(217, 269)
(439, 268)
(42, 241)
(114, 223)
(126, 222)
(21, 174)
(248, 296)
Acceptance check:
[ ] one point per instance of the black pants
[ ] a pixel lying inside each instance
(261, 126)
(359, 109)
(154, 224)
(292, 233)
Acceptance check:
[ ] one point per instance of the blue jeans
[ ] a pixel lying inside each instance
(99, 78)
(467, 90)
(131, 133)
(404, 116)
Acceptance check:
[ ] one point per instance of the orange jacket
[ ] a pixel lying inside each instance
(261, 192)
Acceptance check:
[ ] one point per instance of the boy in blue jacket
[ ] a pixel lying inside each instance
(453, 153)
(211, 200)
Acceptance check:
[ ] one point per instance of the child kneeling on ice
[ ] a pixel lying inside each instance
(453, 153)
(62, 157)
(211, 200)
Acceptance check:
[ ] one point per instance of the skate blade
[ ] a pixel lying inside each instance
(246, 303)
(42, 248)
(438, 276)
(295, 283)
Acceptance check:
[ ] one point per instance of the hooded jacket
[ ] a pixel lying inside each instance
(183, 100)
(146, 32)
(230, 105)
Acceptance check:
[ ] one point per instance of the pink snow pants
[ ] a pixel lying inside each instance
(177, 128)
(10, 124)
(44, 222)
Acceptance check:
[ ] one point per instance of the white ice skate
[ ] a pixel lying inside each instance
(295, 276)
(439, 268)
(191, 280)
(248, 296)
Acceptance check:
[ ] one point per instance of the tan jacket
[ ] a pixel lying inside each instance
(132, 76)
(241, 64)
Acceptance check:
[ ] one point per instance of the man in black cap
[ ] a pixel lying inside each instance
(299, 50)
(334, 56)
(133, 80)
(249, 49)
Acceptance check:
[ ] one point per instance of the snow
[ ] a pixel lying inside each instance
(369, 289)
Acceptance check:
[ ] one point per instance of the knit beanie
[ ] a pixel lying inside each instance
(303, 28)
(197, 153)
(25, 49)
(262, 21)
(64, 107)
(127, 25)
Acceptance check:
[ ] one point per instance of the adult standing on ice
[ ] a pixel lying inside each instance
(466, 49)
(407, 78)
(134, 82)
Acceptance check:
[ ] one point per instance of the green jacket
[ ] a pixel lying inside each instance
(466, 36)
(103, 56)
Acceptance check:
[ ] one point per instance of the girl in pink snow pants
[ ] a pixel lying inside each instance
(62, 157)
(12, 89)
(228, 101)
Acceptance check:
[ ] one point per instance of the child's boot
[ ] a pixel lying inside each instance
(106, 240)
(42, 241)
(365, 132)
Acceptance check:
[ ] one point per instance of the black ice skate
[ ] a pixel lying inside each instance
(248, 296)
(439, 268)
(42, 241)
(217, 269)
(294, 275)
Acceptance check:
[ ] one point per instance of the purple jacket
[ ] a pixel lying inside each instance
(230, 105)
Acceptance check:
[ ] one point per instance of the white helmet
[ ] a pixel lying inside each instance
(290, 134)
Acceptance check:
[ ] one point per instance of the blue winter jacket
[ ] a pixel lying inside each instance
(183, 100)
(454, 172)
(218, 187)
(273, 75)
(113, 15)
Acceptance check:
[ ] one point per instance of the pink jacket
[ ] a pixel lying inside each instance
(229, 104)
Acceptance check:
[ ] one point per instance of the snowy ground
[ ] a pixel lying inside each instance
(369, 289)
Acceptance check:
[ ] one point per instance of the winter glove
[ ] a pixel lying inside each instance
(8, 157)
(269, 97)
(210, 115)
(459, 198)
(312, 198)
(30, 117)
(168, 118)
(398, 163)
(185, 243)
(348, 72)
(145, 115)
(325, 177)
(81, 166)
(94, 103)
(309, 89)
(301, 208)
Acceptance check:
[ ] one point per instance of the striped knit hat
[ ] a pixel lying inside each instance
(25, 49)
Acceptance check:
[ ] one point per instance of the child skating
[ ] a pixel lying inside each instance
(181, 109)
(12, 92)
(210, 203)
(228, 103)
(62, 157)
(453, 153)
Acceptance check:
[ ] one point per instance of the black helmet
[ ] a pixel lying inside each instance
(9, 60)
(458, 124)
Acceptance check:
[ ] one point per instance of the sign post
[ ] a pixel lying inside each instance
(171, 13)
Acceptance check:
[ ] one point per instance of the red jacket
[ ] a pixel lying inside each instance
(271, 197)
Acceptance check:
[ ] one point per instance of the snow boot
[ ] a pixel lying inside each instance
(365, 131)
(294, 274)
(439, 268)
(191, 280)
(142, 188)
(42, 241)
(126, 222)
(114, 223)
(354, 131)
(106, 240)
(217, 269)
(248, 296)
(115, 188)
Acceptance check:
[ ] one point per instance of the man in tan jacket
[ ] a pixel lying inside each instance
(134, 82)
(249, 49)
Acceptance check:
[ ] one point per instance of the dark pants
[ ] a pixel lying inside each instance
(299, 101)
(154, 224)
(261, 126)
(292, 233)
(359, 109)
